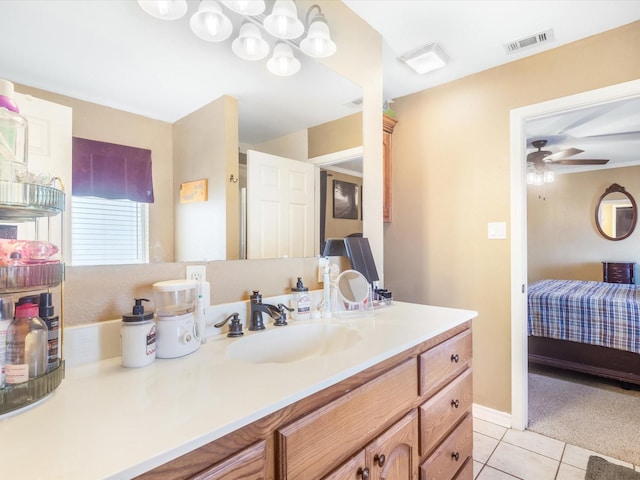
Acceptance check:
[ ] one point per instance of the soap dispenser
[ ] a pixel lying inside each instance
(138, 336)
(302, 301)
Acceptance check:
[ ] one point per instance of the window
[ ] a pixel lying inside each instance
(109, 232)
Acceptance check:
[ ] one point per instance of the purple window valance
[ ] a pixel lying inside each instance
(111, 171)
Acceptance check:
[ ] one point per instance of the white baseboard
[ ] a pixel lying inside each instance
(493, 416)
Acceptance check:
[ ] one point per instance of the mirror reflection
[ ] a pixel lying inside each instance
(616, 213)
(171, 224)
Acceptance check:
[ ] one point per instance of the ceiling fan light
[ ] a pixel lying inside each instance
(283, 63)
(531, 178)
(245, 7)
(164, 9)
(548, 176)
(426, 58)
(250, 45)
(283, 21)
(318, 43)
(209, 23)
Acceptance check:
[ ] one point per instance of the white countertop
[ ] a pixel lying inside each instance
(106, 421)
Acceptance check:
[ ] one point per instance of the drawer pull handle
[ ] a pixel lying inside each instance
(455, 456)
(363, 473)
(380, 459)
(455, 358)
(455, 403)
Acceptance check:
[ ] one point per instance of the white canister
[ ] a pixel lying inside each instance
(138, 337)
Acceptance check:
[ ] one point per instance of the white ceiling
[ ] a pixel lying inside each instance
(93, 50)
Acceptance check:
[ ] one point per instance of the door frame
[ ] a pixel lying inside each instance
(518, 119)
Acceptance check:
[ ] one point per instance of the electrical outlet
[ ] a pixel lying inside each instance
(322, 262)
(197, 273)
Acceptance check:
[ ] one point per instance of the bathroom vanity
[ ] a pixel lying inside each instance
(394, 402)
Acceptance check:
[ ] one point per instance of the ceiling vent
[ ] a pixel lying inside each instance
(529, 41)
(357, 103)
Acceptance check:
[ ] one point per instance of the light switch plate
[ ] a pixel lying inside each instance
(497, 230)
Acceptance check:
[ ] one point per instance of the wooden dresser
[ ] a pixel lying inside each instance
(619, 272)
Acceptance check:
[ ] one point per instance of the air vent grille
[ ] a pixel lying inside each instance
(529, 41)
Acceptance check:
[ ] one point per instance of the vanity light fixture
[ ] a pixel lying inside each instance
(426, 58)
(250, 45)
(245, 7)
(283, 21)
(283, 63)
(164, 9)
(318, 43)
(211, 23)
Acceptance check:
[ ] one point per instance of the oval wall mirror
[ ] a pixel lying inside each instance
(616, 213)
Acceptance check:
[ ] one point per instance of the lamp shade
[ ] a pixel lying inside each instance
(245, 7)
(164, 9)
(318, 43)
(250, 45)
(209, 23)
(283, 63)
(283, 22)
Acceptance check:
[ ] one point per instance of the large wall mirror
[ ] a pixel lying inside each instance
(55, 53)
(616, 213)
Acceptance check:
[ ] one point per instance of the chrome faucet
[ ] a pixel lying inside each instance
(258, 308)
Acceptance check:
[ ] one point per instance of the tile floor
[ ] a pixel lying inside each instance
(500, 453)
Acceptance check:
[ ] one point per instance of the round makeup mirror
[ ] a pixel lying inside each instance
(616, 213)
(353, 287)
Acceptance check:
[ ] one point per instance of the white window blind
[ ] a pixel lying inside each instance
(108, 232)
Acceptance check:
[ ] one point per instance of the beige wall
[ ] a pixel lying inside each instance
(335, 136)
(205, 146)
(451, 176)
(562, 238)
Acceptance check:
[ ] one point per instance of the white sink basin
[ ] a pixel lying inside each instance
(293, 343)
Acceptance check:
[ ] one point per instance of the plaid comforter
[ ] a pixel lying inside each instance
(605, 314)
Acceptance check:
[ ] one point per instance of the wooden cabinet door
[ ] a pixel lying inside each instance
(249, 464)
(353, 469)
(394, 454)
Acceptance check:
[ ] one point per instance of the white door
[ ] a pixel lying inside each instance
(280, 207)
(50, 131)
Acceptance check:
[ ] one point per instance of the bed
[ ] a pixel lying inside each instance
(585, 326)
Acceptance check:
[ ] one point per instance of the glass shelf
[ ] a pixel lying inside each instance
(36, 276)
(14, 397)
(21, 201)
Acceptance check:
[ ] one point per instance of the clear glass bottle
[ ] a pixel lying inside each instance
(27, 341)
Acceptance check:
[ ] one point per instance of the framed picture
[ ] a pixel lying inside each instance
(345, 200)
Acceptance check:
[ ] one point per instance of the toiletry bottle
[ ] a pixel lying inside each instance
(45, 311)
(6, 96)
(26, 345)
(13, 135)
(138, 336)
(6, 316)
(326, 301)
(302, 301)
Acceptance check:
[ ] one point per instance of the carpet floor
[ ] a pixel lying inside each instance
(585, 411)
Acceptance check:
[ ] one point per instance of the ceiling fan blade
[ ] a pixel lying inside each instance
(581, 161)
(569, 152)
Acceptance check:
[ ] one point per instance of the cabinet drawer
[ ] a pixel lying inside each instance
(442, 412)
(249, 464)
(466, 472)
(314, 445)
(451, 455)
(442, 363)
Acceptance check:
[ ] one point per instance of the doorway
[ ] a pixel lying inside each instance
(518, 119)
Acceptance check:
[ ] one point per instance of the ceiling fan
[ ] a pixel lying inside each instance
(540, 161)
(543, 158)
